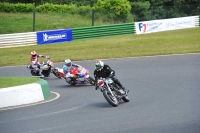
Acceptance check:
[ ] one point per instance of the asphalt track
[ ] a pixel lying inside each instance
(164, 98)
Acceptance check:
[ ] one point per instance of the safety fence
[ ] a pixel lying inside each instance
(30, 38)
(18, 39)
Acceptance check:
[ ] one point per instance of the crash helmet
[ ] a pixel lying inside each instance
(99, 65)
(33, 54)
(68, 63)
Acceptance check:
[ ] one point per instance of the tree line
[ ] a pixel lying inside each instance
(88, 2)
(140, 9)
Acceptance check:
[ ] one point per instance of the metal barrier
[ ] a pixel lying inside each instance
(101, 31)
(18, 39)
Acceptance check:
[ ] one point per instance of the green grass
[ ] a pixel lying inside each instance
(162, 43)
(23, 22)
(16, 81)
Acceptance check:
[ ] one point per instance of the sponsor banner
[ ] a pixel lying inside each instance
(164, 25)
(54, 36)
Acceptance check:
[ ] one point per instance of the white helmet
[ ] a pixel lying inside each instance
(33, 53)
(68, 63)
(99, 65)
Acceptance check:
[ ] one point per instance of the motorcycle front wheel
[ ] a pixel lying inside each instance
(91, 80)
(55, 72)
(111, 99)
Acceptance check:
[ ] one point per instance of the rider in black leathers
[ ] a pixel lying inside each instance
(104, 71)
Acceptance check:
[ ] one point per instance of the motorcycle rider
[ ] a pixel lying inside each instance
(68, 67)
(104, 71)
(35, 62)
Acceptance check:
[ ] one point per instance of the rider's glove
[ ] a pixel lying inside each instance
(111, 74)
(47, 57)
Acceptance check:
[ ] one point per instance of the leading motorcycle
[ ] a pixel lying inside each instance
(111, 91)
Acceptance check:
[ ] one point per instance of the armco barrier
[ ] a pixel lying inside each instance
(101, 31)
(18, 39)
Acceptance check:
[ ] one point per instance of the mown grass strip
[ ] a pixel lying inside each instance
(162, 43)
(16, 81)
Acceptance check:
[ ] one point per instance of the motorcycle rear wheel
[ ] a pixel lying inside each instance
(112, 100)
(33, 73)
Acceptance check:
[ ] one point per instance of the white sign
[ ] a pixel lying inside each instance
(164, 25)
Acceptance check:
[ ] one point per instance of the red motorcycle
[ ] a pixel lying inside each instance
(78, 76)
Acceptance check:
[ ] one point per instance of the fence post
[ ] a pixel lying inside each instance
(92, 17)
(34, 16)
(151, 12)
(91, 5)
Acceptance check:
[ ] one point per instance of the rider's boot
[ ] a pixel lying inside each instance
(125, 90)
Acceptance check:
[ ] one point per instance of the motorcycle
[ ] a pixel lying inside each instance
(47, 68)
(78, 76)
(111, 91)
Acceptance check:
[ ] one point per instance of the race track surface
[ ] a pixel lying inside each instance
(164, 98)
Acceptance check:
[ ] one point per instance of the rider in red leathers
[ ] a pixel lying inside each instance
(35, 63)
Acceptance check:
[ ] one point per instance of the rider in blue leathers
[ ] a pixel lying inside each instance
(68, 66)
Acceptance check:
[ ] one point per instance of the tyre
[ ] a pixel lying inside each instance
(55, 72)
(46, 73)
(91, 81)
(33, 73)
(112, 100)
(125, 99)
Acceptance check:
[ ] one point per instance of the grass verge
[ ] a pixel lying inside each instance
(23, 22)
(16, 81)
(162, 43)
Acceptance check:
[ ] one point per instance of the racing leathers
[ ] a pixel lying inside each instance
(105, 72)
(35, 64)
(67, 70)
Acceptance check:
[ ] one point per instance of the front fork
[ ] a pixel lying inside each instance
(109, 90)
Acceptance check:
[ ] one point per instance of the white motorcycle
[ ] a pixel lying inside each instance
(46, 67)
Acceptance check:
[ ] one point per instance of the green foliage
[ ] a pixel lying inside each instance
(47, 7)
(19, 7)
(84, 10)
(118, 9)
(140, 10)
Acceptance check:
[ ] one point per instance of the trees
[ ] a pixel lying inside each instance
(141, 9)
